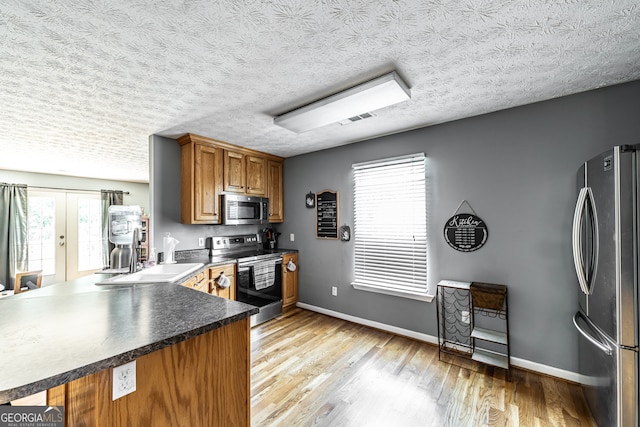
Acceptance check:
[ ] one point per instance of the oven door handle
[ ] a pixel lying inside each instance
(246, 265)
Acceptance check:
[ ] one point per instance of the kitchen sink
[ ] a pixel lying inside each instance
(161, 273)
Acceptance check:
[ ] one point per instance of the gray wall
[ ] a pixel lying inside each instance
(517, 168)
(164, 185)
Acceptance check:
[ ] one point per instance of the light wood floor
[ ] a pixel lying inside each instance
(309, 369)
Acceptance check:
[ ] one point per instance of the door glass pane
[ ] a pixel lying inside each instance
(41, 218)
(89, 234)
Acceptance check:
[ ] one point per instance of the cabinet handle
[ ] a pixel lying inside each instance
(248, 188)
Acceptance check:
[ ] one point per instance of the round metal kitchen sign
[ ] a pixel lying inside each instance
(466, 232)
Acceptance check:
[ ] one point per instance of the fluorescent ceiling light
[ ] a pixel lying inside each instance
(375, 94)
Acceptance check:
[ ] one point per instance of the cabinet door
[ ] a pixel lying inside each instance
(234, 173)
(256, 175)
(207, 183)
(201, 184)
(229, 272)
(289, 281)
(275, 191)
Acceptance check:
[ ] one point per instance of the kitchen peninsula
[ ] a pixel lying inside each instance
(191, 351)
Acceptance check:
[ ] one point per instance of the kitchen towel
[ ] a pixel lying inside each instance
(291, 266)
(264, 274)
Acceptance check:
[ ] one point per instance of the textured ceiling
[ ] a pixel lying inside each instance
(83, 83)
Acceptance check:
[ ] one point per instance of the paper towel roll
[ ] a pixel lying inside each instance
(291, 266)
(223, 281)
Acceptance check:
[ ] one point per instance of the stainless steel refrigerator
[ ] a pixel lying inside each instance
(605, 250)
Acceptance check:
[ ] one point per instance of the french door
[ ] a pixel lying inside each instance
(65, 234)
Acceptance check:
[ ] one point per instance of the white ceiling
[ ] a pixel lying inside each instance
(83, 83)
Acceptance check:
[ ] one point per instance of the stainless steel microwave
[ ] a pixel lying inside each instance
(241, 210)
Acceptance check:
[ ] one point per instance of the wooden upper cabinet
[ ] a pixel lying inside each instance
(201, 183)
(256, 175)
(210, 168)
(245, 173)
(275, 191)
(234, 172)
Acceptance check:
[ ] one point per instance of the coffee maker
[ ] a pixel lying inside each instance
(269, 239)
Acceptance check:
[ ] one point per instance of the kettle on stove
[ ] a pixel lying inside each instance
(270, 238)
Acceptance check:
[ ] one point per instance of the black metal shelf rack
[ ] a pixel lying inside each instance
(473, 321)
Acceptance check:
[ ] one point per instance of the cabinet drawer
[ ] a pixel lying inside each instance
(191, 283)
(202, 286)
(229, 270)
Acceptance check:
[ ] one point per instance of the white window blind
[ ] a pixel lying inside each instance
(390, 231)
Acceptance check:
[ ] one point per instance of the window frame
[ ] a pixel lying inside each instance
(412, 245)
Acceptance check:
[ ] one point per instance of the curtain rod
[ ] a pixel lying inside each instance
(70, 189)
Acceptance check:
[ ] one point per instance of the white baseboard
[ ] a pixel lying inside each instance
(515, 361)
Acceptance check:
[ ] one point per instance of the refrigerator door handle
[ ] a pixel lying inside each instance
(602, 343)
(585, 197)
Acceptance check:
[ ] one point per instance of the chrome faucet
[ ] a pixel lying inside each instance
(133, 265)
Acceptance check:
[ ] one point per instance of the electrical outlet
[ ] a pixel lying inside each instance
(201, 242)
(292, 237)
(124, 380)
(334, 291)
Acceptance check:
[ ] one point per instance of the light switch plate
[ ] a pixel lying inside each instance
(292, 237)
(124, 380)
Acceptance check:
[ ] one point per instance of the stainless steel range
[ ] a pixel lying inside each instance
(259, 273)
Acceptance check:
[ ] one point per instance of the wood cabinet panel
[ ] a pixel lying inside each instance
(191, 283)
(199, 282)
(211, 167)
(201, 185)
(234, 172)
(289, 281)
(275, 191)
(203, 381)
(256, 168)
(245, 174)
(229, 271)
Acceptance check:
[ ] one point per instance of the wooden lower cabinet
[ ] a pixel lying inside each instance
(229, 271)
(203, 381)
(207, 281)
(289, 281)
(199, 282)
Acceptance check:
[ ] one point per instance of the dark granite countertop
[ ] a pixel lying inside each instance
(62, 332)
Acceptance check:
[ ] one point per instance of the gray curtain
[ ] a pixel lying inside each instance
(108, 197)
(13, 232)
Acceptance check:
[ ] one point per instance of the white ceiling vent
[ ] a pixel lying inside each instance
(356, 118)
